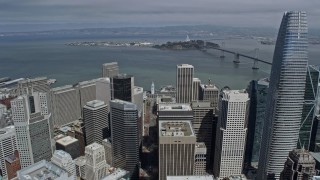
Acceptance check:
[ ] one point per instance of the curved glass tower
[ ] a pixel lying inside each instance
(286, 95)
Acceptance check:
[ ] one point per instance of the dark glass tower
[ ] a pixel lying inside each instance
(122, 87)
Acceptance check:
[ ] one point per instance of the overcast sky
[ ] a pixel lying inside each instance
(119, 13)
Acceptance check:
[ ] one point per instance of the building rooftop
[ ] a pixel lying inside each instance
(209, 87)
(235, 95)
(7, 131)
(41, 170)
(66, 140)
(122, 76)
(11, 158)
(111, 63)
(62, 154)
(315, 155)
(190, 178)
(201, 104)
(137, 90)
(125, 105)
(184, 66)
(62, 88)
(94, 146)
(80, 161)
(116, 174)
(264, 81)
(174, 107)
(175, 128)
(95, 103)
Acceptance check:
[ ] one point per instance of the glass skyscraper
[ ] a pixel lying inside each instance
(286, 95)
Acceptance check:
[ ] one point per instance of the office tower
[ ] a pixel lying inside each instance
(7, 146)
(95, 162)
(299, 165)
(65, 105)
(177, 144)
(204, 124)
(231, 133)
(87, 91)
(200, 159)
(184, 83)
(103, 90)
(108, 149)
(286, 95)
(81, 167)
(209, 93)
(44, 170)
(124, 136)
(3, 109)
(70, 145)
(38, 84)
(77, 131)
(110, 69)
(12, 163)
(309, 107)
(64, 160)
(138, 100)
(196, 86)
(152, 88)
(122, 87)
(95, 117)
(174, 112)
(33, 132)
(258, 91)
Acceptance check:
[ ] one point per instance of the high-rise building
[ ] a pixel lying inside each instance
(231, 133)
(70, 145)
(3, 109)
(184, 83)
(177, 144)
(110, 69)
(7, 146)
(204, 124)
(139, 101)
(210, 93)
(87, 91)
(38, 84)
(309, 107)
(33, 132)
(122, 87)
(200, 159)
(44, 170)
(95, 162)
(196, 86)
(95, 117)
(81, 167)
(65, 162)
(286, 95)
(174, 112)
(65, 105)
(12, 163)
(103, 90)
(299, 165)
(258, 91)
(124, 136)
(108, 149)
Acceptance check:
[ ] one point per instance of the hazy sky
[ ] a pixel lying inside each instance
(113, 13)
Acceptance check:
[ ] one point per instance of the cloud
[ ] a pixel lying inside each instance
(251, 13)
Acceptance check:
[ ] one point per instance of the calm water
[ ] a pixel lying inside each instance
(67, 64)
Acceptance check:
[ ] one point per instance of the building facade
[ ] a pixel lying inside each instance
(286, 95)
(124, 136)
(12, 163)
(64, 161)
(122, 87)
(95, 162)
(200, 159)
(69, 145)
(110, 69)
(177, 144)
(7, 146)
(184, 83)
(210, 93)
(231, 133)
(196, 82)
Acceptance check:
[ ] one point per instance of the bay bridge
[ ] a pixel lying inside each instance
(237, 56)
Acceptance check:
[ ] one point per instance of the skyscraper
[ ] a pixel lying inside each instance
(309, 107)
(231, 133)
(176, 149)
(32, 131)
(175, 112)
(103, 90)
(184, 83)
(286, 95)
(124, 136)
(95, 162)
(7, 146)
(110, 69)
(95, 117)
(209, 92)
(122, 87)
(64, 160)
(196, 86)
(204, 124)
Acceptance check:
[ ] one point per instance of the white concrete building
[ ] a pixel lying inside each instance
(95, 162)
(64, 161)
(7, 146)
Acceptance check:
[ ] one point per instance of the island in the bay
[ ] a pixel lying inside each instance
(188, 45)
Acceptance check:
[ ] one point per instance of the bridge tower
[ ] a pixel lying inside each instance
(236, 58)
(222, 56)
(255, 61)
